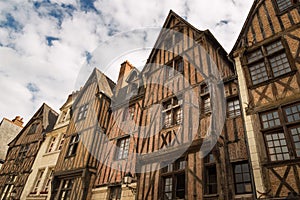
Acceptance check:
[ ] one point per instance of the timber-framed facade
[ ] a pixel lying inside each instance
(267, 59)
(153, 125)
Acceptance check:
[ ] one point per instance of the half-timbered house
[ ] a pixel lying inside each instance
(118, 150)
(267, 58)
(75, 171)
(38, 185)
(22, 153)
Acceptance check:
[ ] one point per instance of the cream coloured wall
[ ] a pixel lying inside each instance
(46, 160)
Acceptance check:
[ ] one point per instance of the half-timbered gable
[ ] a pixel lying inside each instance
(267, 63)
(178, 106)
(22, 152)
(74, 173)
(118, 150)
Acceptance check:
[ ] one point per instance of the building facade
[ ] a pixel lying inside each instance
(75, 171)
(117, 154)
(181, 153)
(38, 185)
(8, 130)
(195, 123)
(267, 61)
(23, 151)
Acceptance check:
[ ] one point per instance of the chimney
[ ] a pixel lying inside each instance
(18, 121)
(125, 69)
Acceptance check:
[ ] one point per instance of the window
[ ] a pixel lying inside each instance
(115, 193)
(82, 112)
(73, 145)
(173, 180)
(48, 181)
(211, 184)
(8, 187)
(37, 181)
(242, 178)
(293, 113)
(282, 137)
(123, 148)
(268, 62)
(168, 42)
(51, 145)
(204, 89)
(295, 132)
(23, 151)
(233, 108)
(285, 4)
(61, 142)
(270, 119)
(128, 113)
(32, 129)
(172, 112)
(66, 187)
(206, 105)
(178, 35)
(277, 146)
(64, 116)
(174, 67)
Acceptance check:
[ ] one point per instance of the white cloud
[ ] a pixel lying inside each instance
(26, 58)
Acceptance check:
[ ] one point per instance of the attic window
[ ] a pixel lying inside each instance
(33, 128)
(284, 5)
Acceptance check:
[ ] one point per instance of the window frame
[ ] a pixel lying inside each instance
(38, 181)
(122, 152)
(173, 69)
(33, 128)
(73, 145)
(171, 108)
(173, 171)
(51, 144)
(23, 151)
(82, 112)
(210, 163)
(8, 187)
(243, 182)
(48, 180)
(67, 190)
(265, 60)
(292, 6)
(285, 127)
(236, 112)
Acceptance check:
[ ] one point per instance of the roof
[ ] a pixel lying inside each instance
(246, 25)
(104, 84)
(49, 117)
(161, 35)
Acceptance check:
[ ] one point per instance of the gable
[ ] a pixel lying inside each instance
(266, 19)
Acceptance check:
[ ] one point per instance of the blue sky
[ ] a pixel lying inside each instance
(45, 43)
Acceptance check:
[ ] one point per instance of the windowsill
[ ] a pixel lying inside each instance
(51, 153)
(210, 195)
(279, 163)
(172, 126)
(176, 75)
(70, 156)
(243, 195)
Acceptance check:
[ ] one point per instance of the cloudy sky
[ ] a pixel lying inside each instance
(44, 45)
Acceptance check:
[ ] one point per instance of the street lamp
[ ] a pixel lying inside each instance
(13, 194)
(128, 180)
